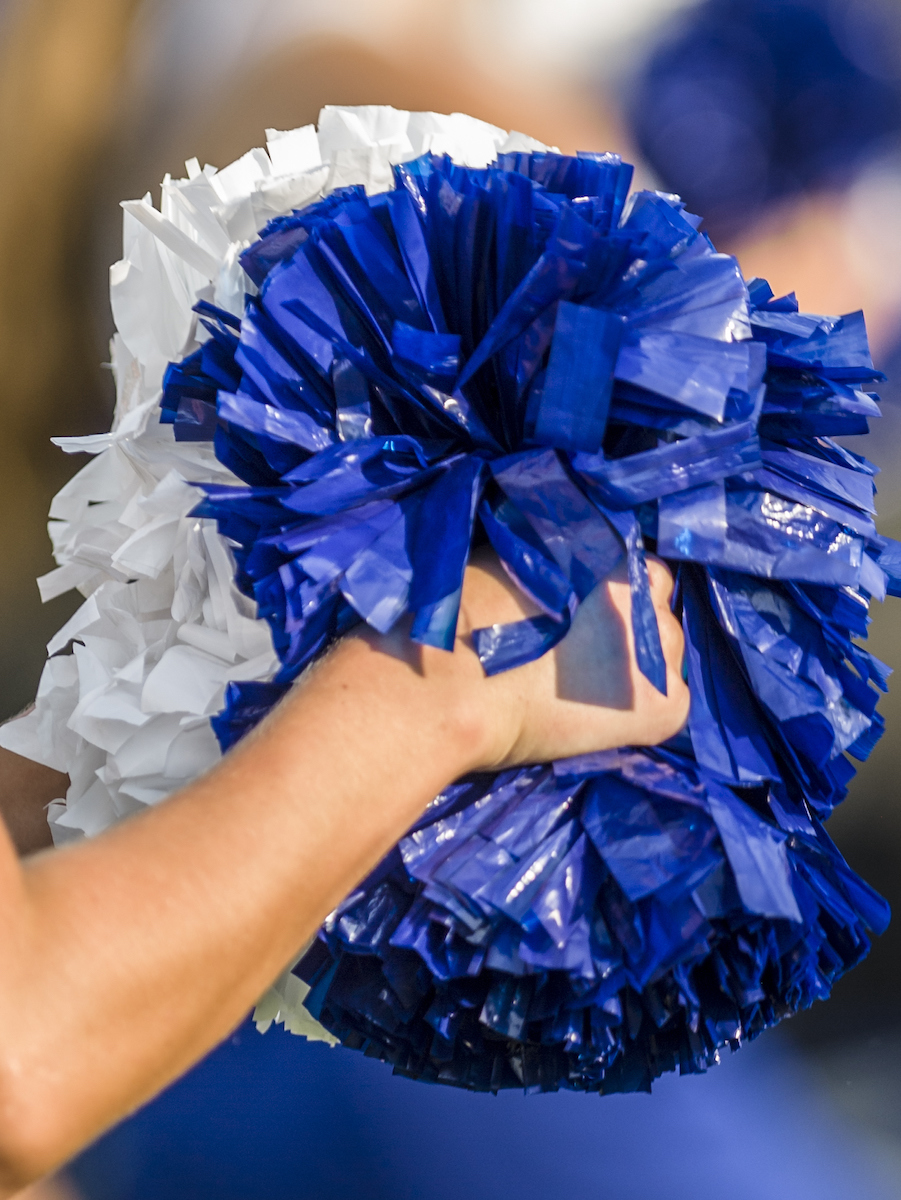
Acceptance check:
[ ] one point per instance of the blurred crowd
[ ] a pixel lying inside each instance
(777, 120)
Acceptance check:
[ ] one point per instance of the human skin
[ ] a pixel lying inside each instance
(126, 958)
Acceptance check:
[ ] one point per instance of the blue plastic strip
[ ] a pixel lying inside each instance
(572, 414)
(441, 551)
(503, 647)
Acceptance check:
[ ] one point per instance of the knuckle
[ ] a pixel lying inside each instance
(672, 638)
(677, 707)
(671, 713)
(660, 578)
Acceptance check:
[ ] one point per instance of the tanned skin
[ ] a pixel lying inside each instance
(125, 958)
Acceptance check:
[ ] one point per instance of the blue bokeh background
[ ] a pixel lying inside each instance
(272, 1115)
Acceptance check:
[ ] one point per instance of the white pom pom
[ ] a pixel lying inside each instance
(124, 704)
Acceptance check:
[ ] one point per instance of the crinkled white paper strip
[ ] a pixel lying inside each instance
(126, 696)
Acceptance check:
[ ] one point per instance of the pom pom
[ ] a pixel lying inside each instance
(455, 337)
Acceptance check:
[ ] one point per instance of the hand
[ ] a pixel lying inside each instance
(128, 956)
(585, 695)
(588, 693)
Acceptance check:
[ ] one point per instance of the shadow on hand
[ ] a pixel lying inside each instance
(593, 660)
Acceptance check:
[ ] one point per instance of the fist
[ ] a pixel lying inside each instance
(588, 693)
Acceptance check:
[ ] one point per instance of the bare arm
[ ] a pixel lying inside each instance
(124, 959)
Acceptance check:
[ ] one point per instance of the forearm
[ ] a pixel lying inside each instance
(126, 958)
(116, 986)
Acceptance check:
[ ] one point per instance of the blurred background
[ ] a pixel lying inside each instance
(780, 122)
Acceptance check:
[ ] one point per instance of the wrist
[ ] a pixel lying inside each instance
(435, 698)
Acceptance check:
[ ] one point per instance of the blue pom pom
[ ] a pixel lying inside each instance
(513, 355)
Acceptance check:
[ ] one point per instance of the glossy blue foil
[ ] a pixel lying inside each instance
(517, 356)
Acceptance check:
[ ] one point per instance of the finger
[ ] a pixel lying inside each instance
(672, 643)
(671, 636)
(661, 580)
